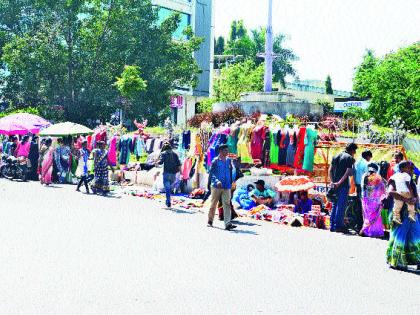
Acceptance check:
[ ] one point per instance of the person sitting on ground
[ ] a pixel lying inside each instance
(402, 183)
(304, 203)
(262, 195)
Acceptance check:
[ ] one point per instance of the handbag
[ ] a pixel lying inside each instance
(332, 195)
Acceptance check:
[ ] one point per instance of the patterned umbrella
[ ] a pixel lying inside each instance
(21, 124)
(295, 183)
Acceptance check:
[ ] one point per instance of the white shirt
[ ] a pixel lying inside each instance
(401, 180)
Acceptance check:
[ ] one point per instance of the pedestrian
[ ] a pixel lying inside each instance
(340, 170)
(402, 181)
(374, 191)
(404, 241)
(101, 163)
(361, 168)
(45, 162)
(82, 167)
(62, 160)
(221, 175)
(171, 166)
(33, 157)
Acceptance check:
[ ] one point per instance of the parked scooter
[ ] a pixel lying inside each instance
(14, 168)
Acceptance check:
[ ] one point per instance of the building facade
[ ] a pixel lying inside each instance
(199, 15)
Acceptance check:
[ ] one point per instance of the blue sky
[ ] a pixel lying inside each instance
(329, 36)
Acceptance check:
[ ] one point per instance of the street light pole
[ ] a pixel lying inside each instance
(268, 76)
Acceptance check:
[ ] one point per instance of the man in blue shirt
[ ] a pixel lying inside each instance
(262, 195)
(361, 167)
(221, 177)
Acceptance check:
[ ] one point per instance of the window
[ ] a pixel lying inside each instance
(165, 13)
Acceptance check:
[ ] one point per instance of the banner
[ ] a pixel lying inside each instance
(340, 107)
(177, 102)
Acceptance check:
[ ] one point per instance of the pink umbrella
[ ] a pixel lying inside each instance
(21, 124)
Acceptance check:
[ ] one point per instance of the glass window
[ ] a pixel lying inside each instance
(164, 13)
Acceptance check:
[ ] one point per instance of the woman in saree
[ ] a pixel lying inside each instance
(404, 242)
(373, 192)
(46, 162)
(101, 163)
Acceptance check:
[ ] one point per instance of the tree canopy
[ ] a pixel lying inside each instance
(249, 44)
(236, 79)
(70, 52)
(393, 85)
(328, 86)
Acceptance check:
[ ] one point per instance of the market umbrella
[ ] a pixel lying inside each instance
(66, 129)
(22, 123)
(295, 183)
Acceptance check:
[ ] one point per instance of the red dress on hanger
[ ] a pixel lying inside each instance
(258, 136)
(300, 148)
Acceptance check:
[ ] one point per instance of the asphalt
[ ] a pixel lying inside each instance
(64, 252)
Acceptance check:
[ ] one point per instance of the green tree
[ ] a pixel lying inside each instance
(362, 81)
(328, 86)
(237, 79)
(69, 52)
(250, 46)
(130, 83)
(393, 84)
(219, 46)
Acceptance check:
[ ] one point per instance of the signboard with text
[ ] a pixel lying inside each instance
(177, 102)
(343, 105)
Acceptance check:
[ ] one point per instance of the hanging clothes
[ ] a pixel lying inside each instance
(243, 144)
(310, 141)
(112, 155)
(149, 145)
(291, 150)
(266, 148)
(124, 147)
(232, 141)
(139, 147)
(300, 148)
(284, 144)
(274, 147)
(257, 141)
(186, 139)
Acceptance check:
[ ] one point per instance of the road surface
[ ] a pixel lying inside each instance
(69, 253)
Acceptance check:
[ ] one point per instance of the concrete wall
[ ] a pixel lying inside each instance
(203, 27)
(274, 108)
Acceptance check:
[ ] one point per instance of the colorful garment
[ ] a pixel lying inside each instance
(232, 140)
(300, 148)
(291, 150)
(23, 149)
(46, 163)
(310, 140)
(373, 192)
(101, 181)
(404, 242)
(274, 147)
(124, 147)
(284, 144)
(63, 162)
(82, 166)
(257, 141)
(113, 150)
(243, 145)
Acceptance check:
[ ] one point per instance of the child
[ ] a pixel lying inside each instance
(402, 186)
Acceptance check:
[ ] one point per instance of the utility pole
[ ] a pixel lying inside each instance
(268, 76)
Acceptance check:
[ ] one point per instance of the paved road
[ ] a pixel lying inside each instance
(69, 253)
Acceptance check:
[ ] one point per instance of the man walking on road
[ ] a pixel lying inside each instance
(171, 166)
(221, 176)
(340, 170)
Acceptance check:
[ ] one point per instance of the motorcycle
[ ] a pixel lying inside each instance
(14, 168)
